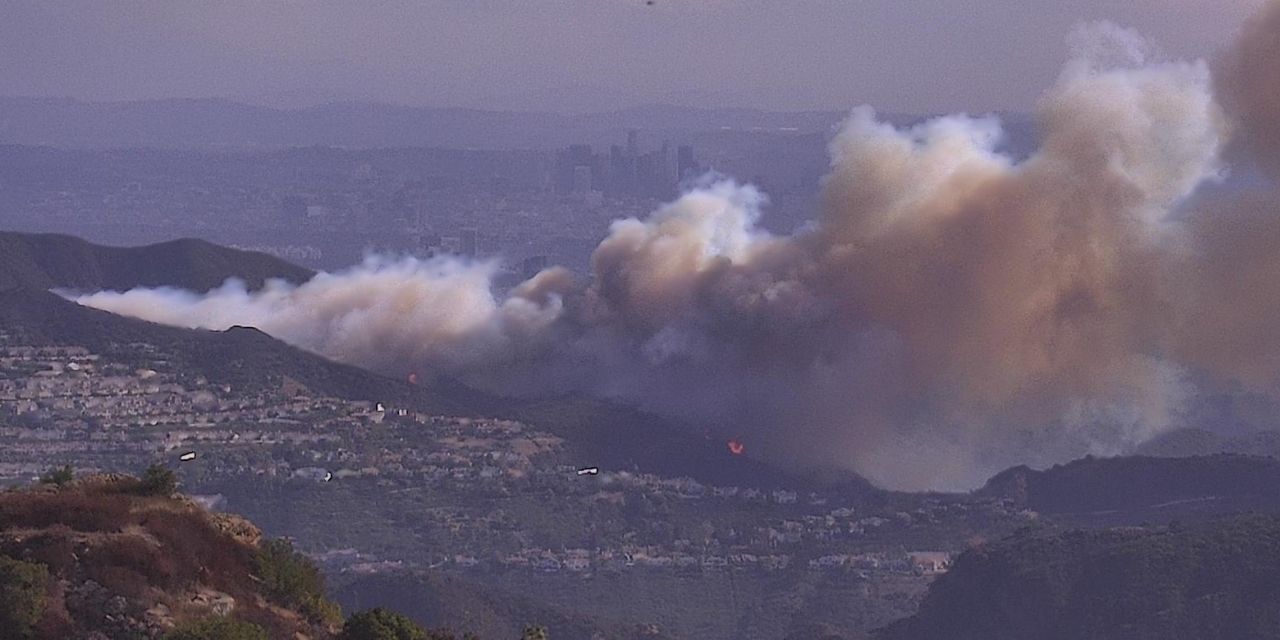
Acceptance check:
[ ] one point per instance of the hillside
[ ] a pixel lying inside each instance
(1198, 442)
(240, 356)
(439, 600)
(48, 261)
(599, 434)
(1213, 582)
(617, 437)
(112, 557)
(1099, 491)
(602, 434)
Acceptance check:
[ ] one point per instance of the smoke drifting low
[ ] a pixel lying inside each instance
(952, 311)
(389, 315)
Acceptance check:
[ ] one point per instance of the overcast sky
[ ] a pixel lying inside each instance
(899, 55)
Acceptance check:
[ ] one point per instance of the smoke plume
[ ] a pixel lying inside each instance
(952, 310)
(1248, 82)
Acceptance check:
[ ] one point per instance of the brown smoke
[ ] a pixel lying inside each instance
(1248, 83)
(1226, 317)
(953, 311)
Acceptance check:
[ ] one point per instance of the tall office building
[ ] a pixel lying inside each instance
(625, 171)
(468, 243)
(686, 165)
(582, 179)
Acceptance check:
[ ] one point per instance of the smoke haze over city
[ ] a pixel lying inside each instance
(952, 310)
(579, 55)
(640, 319)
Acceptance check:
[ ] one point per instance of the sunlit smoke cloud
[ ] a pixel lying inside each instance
(952, 311)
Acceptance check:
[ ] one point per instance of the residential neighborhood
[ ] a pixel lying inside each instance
(468, 478)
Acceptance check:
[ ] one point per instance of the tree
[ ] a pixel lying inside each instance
(382, 624)
(217, 628)
(22, 595)
(534, 632)
(158, 480)
(59, 476)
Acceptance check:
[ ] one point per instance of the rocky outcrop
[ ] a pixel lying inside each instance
(123, 566)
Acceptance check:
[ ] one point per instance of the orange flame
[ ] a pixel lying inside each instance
(736, 447)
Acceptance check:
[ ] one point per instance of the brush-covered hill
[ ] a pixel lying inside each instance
(1134, 489)
(119, 557)
(49, 261)
(1214, 581)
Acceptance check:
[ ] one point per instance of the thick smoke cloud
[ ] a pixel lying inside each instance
(1248, 81)
(951, 312)
(1232, 283)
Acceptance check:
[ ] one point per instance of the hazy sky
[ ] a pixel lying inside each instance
(900, 55)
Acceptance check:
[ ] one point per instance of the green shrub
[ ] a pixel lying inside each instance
(158, 480)
(318, 608)
(58, 477)
(22, 595)
(382, 624)
(217, 628)
(290, 579)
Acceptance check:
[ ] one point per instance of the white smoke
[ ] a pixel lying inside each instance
(388, 314)
(953, 311)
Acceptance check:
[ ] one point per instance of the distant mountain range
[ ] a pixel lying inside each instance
(218, 123)
(49, 261)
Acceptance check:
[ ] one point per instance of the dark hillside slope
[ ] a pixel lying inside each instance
(598, 434)
(1216, 581)
(1130, 490)
(48, 261)
(240, 356)
(618, 437)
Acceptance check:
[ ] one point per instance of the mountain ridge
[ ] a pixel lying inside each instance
(1130, 489)
(1213, 581)
(57, 261)
(221, 123)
